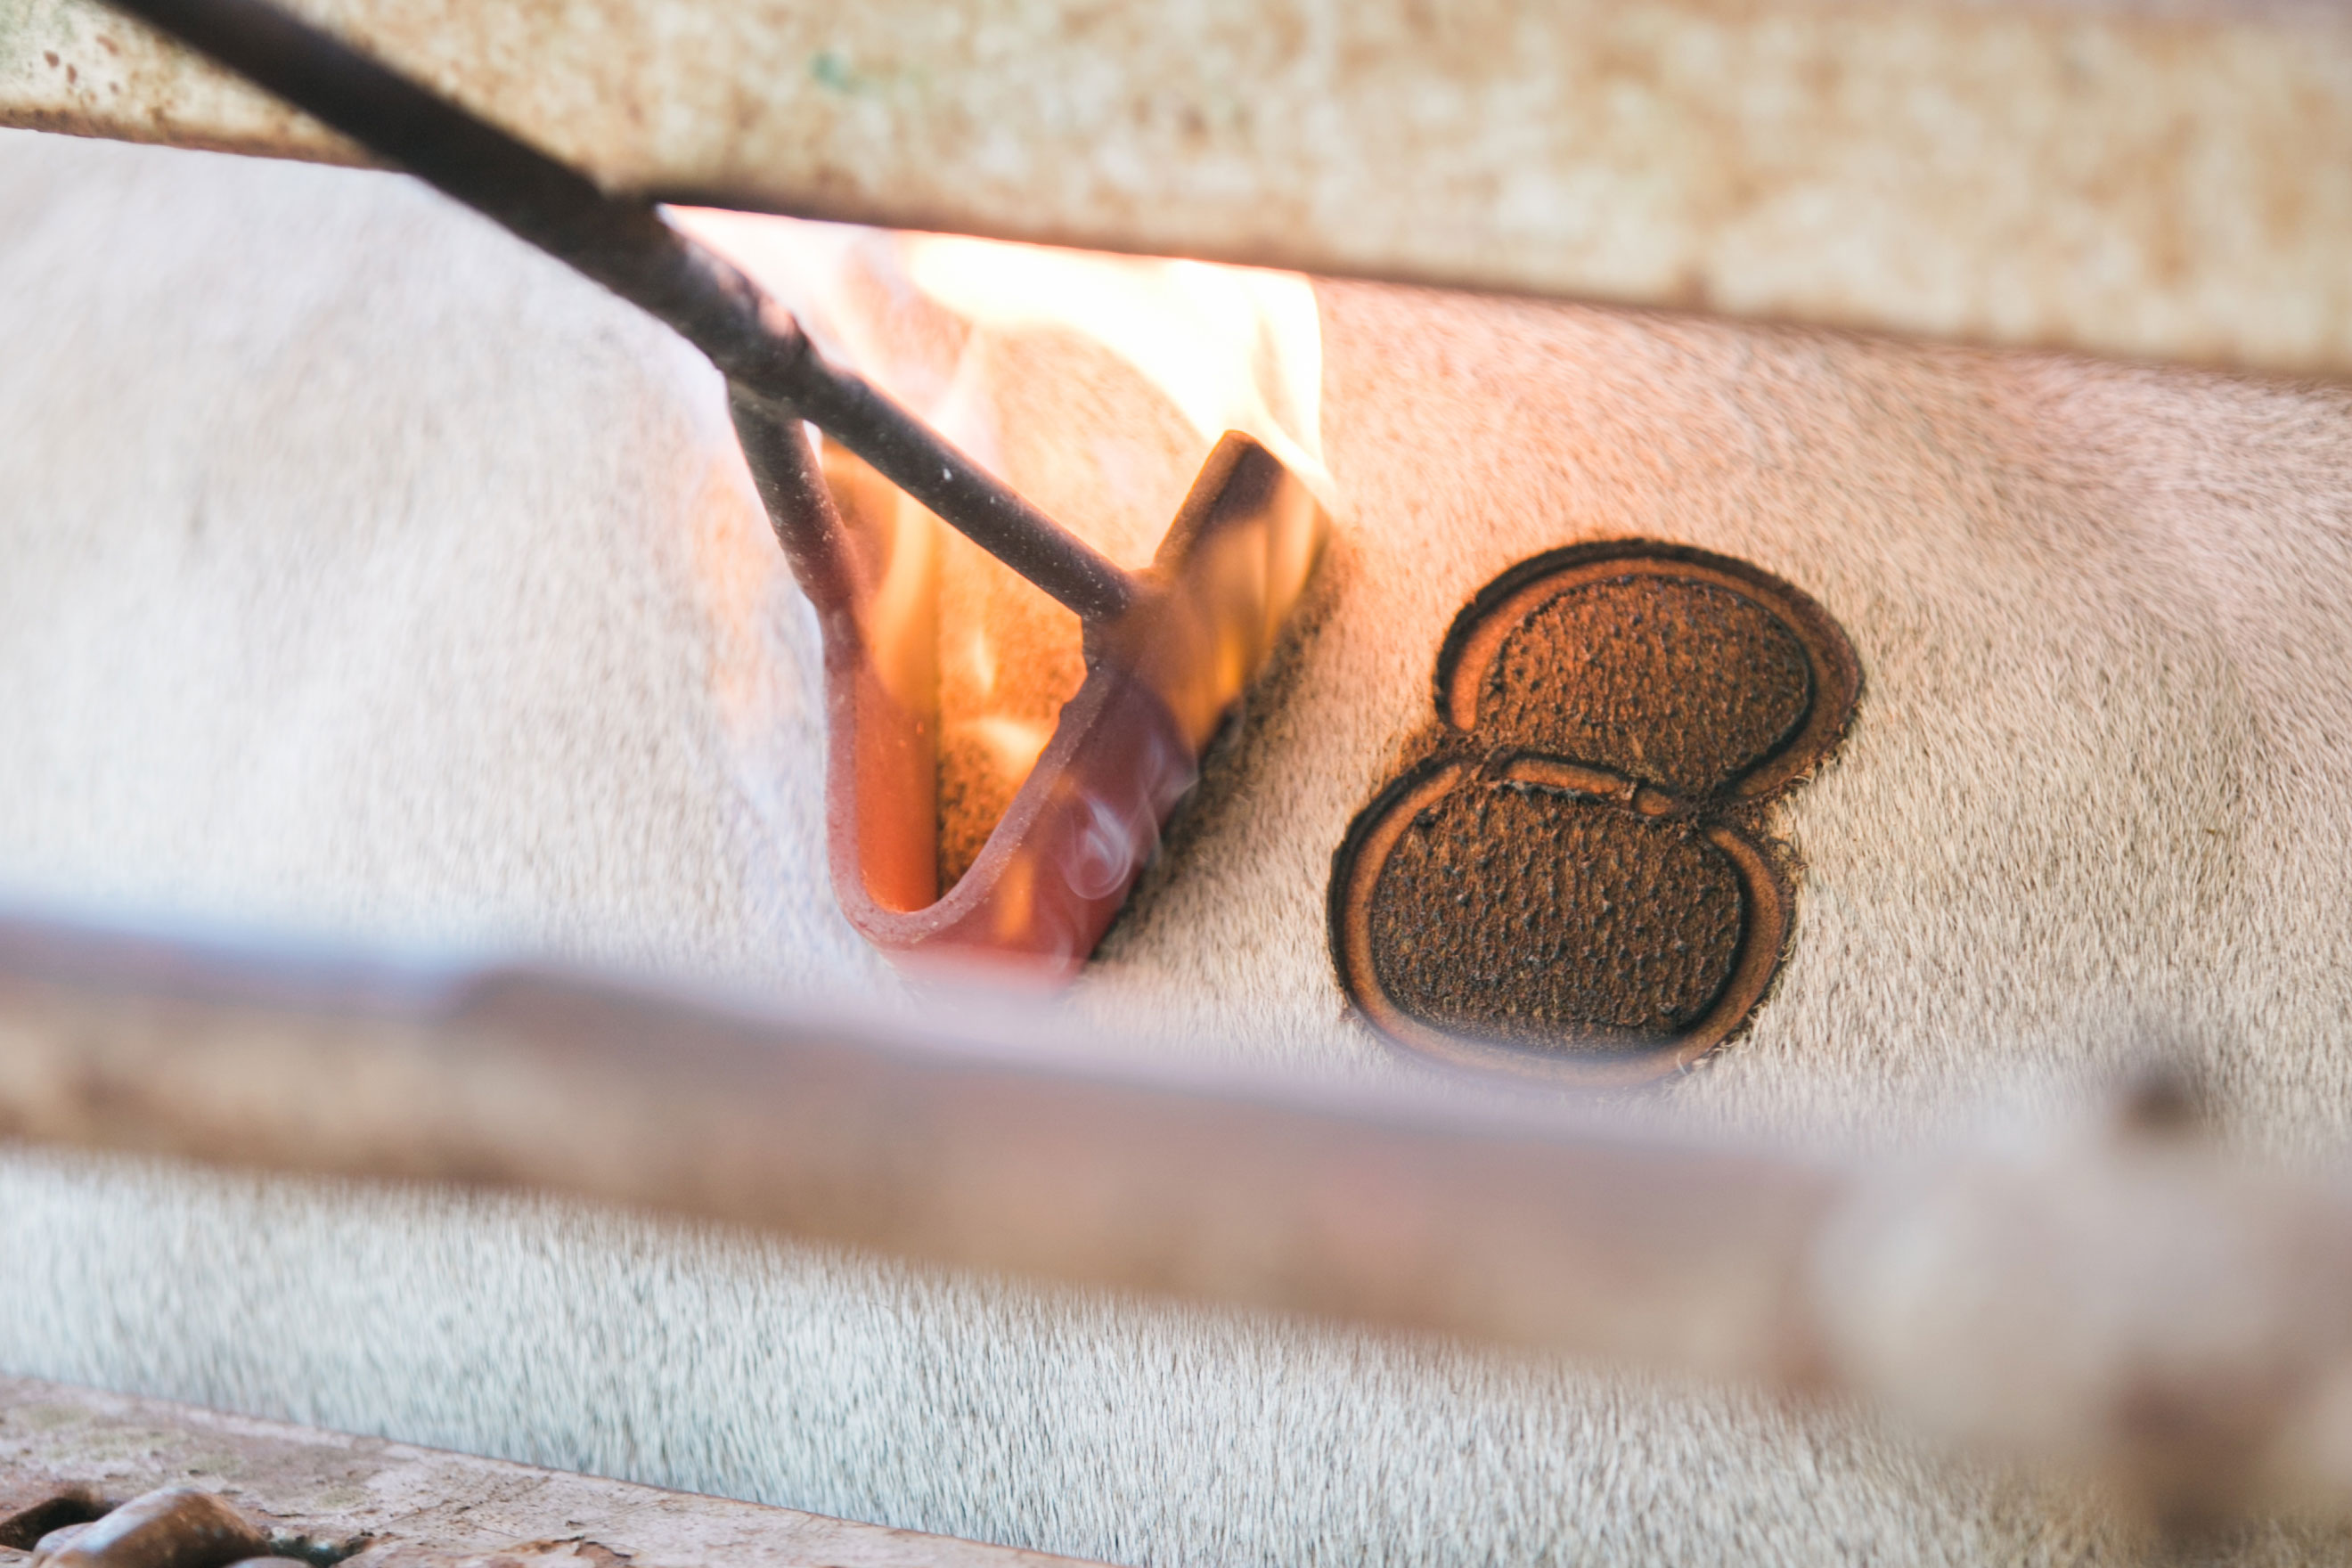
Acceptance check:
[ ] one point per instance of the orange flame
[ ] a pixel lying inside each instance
(1092, 385)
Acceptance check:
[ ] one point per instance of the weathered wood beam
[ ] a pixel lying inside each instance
(2149, 180)
(71, 1454)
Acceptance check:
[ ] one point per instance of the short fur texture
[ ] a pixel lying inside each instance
(366, 574)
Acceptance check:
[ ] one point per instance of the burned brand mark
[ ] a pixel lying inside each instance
(1572, 881)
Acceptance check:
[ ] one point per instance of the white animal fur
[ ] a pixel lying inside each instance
(367, 575)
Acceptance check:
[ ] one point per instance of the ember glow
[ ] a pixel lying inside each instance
(1092, 385)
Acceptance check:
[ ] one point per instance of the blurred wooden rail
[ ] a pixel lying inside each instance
(2123, 1300)
(2159, 178)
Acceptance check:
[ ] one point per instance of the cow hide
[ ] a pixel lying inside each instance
(369, 576)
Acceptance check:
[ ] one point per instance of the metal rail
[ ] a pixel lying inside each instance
(2159, 180)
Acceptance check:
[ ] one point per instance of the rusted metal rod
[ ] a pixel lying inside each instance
(623, 243)
(2122, 1299)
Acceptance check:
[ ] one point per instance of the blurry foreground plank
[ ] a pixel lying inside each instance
(2122, 1299)
(2147, 180)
